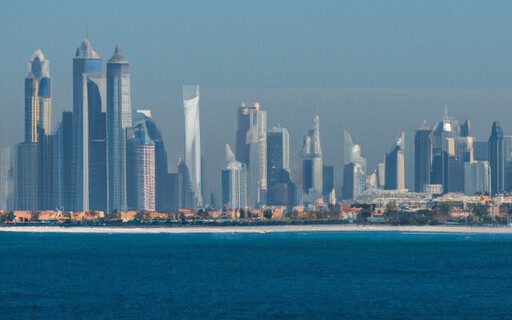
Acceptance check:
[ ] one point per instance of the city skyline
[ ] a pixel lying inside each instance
(376, 65)
(108, 103)
(348, 96)
(101, 86)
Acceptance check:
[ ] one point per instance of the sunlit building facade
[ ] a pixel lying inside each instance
(193, 141)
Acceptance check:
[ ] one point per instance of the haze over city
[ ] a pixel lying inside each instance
(369, 68)
(240, 159)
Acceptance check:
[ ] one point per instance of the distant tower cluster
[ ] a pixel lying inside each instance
(103, 156)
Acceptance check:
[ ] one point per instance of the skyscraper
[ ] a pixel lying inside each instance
(462, 153)
(89, 130)
(278, 149)
(63, 163)
(497, 159)
(162, 179)
(185, 193)
(193, 141)
(38, 101)
(447, 128)
(234, 183)
(354, 180)
(477, 178)
(119, 122)
(312, 160)
(34, 180)
(347, 148)
(381, 175)
(395, 166)
(481, 150)
(143, 157)
(422, 158)
(327, 179)
(6, 178)
(278, 158)
(251, 149)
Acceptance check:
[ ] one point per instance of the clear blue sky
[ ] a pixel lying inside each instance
(425, 51)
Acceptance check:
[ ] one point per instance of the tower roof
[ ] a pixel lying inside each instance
(117, 57)
(496, 131)
(85, 51)
(38, 66)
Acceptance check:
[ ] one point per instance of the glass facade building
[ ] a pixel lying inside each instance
(193, 141)
(119, 122)
(89, 130)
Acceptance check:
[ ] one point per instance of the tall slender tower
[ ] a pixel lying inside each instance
(312, 160)
(34, 154)
(234, 183)
(142, 157)
(395, 166)
(119, 122)
(347, 148)
(89, 130)
(278, 152)
(193, 140)
(38, 101)
(251, 149)
(497, 159)
(422, 158)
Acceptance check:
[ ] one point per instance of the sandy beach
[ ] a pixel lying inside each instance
(261, 229)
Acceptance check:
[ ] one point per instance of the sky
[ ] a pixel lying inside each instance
(369, 67)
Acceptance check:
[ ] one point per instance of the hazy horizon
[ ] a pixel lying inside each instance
(372, 67)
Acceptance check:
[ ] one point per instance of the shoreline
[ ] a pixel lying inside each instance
(257, 229)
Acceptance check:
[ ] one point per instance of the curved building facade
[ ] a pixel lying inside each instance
(193, 140)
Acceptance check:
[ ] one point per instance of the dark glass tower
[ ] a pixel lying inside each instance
(497, 159)
(63, 146)
(327, 179)
(395, 162)
(422, 158)
(119, 122)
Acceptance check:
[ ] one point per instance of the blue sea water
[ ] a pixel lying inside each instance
(374, 275)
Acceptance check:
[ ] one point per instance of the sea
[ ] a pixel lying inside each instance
(346, 275)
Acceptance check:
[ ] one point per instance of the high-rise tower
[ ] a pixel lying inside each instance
(278, 152)
(89, 130)
(395, 165)
(312, 160)
(251, 149)
(142, 166)
(422, 158)
(38, 102)
(34, 159)
(193, 140)
(496, 159)
(119, 122)
(234, 183)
